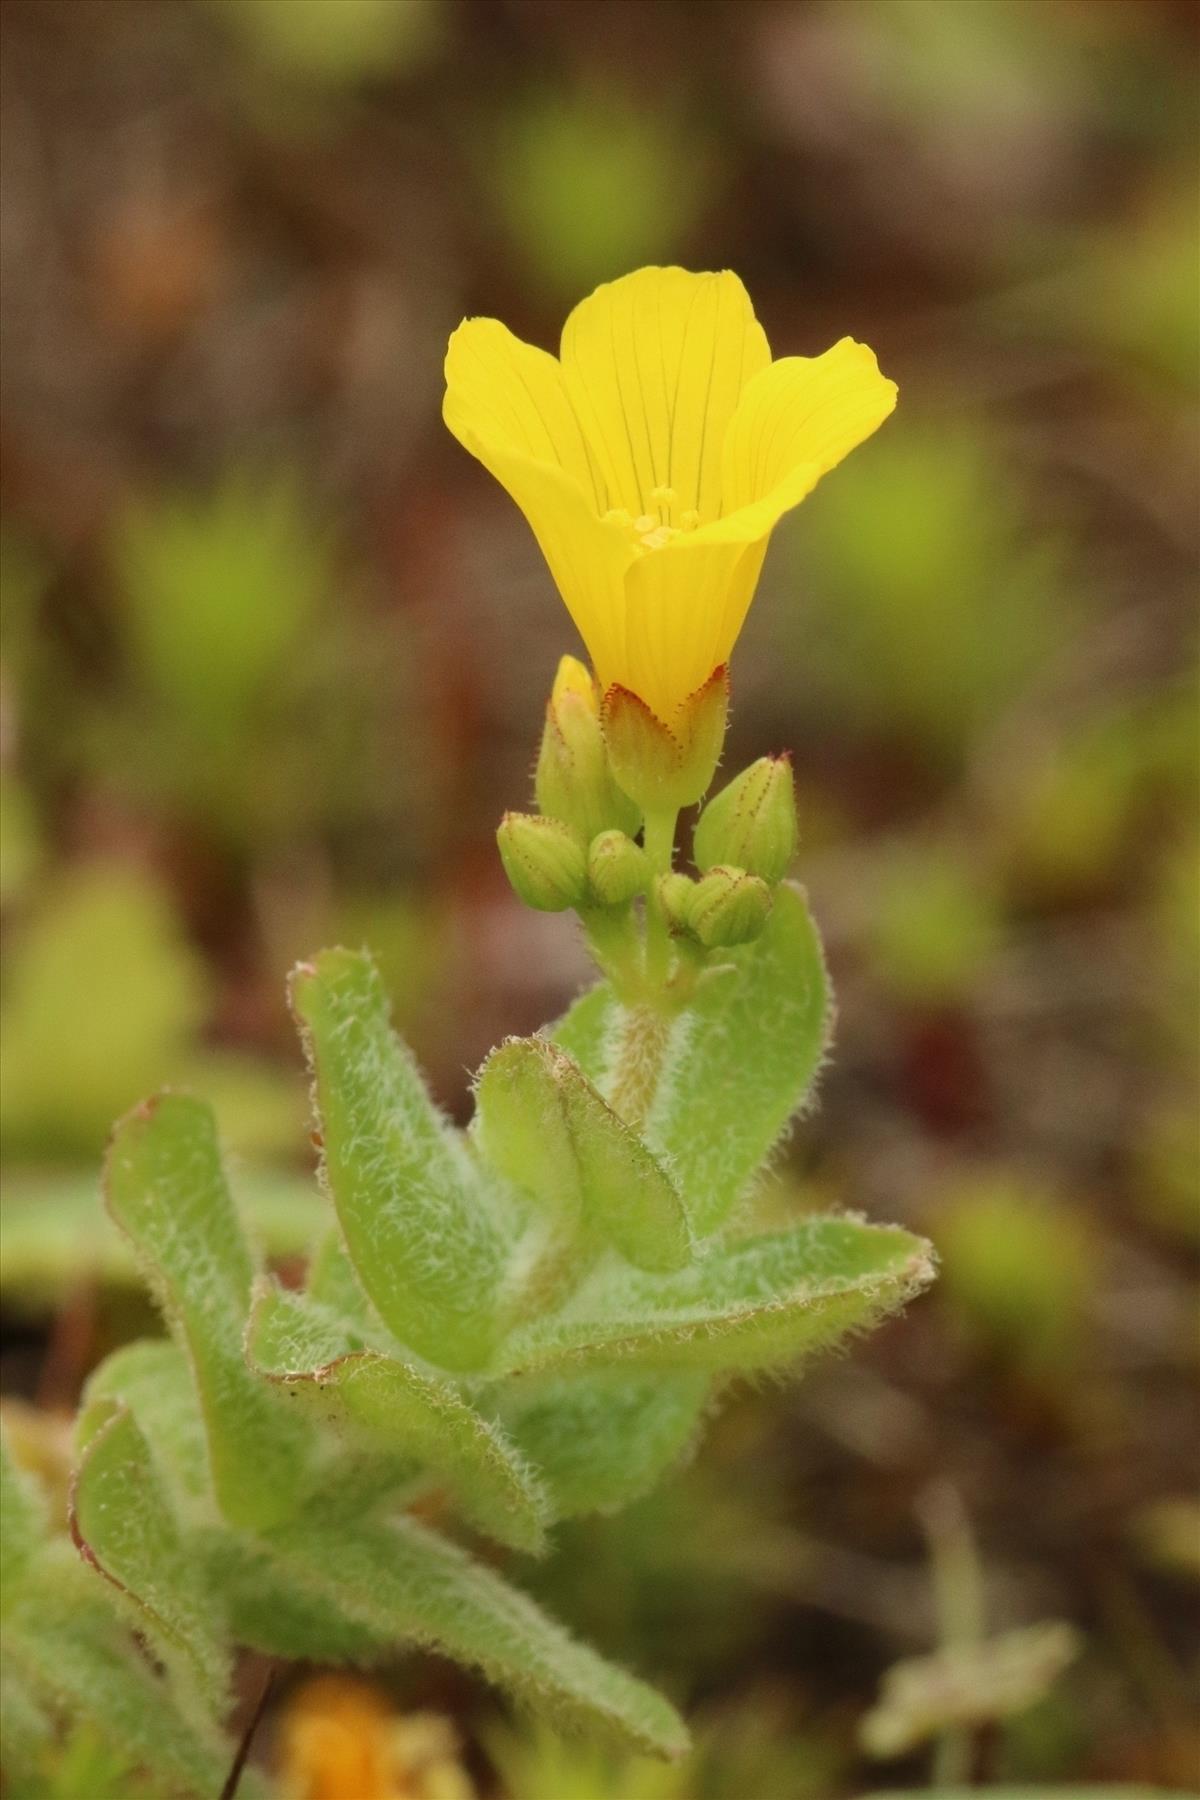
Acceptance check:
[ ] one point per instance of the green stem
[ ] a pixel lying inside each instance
(614, 944)
(960, 1605)
(658, 839)
(645, 1034)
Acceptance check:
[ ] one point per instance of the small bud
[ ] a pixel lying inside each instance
(666, 764)
(617, 868)
(573, 782)
(728, 907)
(752, 822)
(675, 893)
(543, 860)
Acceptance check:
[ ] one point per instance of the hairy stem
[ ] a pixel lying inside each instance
(644, 1038)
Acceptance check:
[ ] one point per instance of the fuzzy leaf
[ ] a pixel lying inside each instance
(600, 1441)
(332, 1283)
(740, 1059)
(67, 1646)
(153, 1380)
(391, 1407)
(758, 1304)
(740, 1062)
(410, 1209)
(271, 1613)
(122, 1521)
(588, 1032)
(26, 1728)
(22, 1524)
(401, 1579)
(544, 1126)
(167, 1191)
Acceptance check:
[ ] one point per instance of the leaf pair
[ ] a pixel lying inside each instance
(740, 1060)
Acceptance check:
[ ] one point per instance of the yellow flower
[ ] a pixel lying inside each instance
(654, 456)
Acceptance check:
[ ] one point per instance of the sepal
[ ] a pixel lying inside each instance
(665, 765)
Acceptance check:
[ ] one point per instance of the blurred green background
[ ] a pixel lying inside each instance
(275, 654)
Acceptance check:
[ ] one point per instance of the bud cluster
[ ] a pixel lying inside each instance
(605, 766)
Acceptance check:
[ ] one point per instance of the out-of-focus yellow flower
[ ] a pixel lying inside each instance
(342, 1741)
(654, 456)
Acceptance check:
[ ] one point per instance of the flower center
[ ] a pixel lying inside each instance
(651, 530)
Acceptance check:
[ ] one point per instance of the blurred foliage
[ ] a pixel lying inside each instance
(1019, 1271)
(57, 1233)
(934, 925)
(927, 602)
(312, 41)
(593, 183)
(103, 997)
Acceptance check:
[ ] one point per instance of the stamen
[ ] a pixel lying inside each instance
(689, 520)
(643, 523)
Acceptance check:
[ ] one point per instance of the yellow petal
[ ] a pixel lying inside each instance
(505, 403)
(655, 364)
(801, 411)
(688, 599)
(510, 396)
(681, 600)
(587, 557)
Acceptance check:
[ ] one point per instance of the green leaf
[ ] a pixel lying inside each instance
(66, 1644)
(22, 1524)
(758, 1304)
(122, 1521)
(390, 1406)
(546, 1129)
(270, 1613)
(401, 1579)
(588, 1032)
(411, 1212)
(740, 1062)
(332, 1283)
(600, 1441)
(167, 1191)
(26, 1728)
(152, 1379)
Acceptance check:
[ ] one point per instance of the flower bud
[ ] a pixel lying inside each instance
(617, 868)
(674, 893)
(666, 764)
(573, 781)
(543, 860)
(752, 822)
(728, 907)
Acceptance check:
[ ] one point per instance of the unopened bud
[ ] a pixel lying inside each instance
(573, 782)
(728, 907)
(751, 824)
(674, 893)
(617, 868)
(543, 860)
